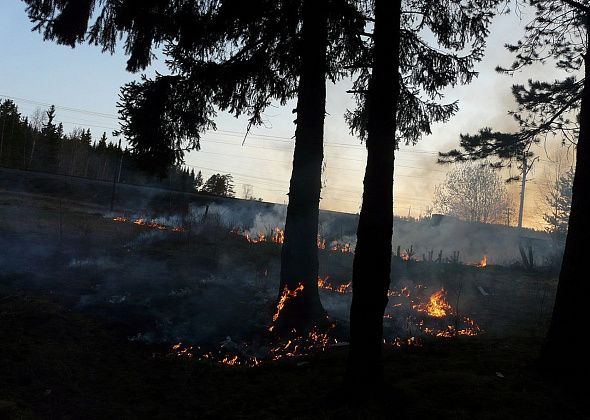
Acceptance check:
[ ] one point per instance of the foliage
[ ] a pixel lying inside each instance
(556, 34)
(473, 192)
(221, 185)
(558, 200)
(222, 55)
(428, 64)
(40, 144)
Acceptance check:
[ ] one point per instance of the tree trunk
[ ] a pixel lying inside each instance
(372, 258)
(299, 255)
(564, 350)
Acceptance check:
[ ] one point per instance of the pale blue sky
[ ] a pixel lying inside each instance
(84, 78)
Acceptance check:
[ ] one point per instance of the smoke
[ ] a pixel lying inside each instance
(203, 284)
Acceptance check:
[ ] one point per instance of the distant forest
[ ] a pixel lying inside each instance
(37, 143)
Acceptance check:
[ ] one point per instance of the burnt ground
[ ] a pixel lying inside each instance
(89, 309)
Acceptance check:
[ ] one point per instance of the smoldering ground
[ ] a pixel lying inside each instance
(202, 284)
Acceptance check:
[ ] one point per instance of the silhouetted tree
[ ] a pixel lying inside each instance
(52, 139)
(233, 56)
(397, 100)
(558, 199)
(219, 184)
(9, 119)
(559, 34)
(198, 180)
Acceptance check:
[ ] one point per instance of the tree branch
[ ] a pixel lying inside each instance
(577, 5)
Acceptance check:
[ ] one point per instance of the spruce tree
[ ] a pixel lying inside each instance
(558, 34)
(558, 200)
(398, 98)
(231, 56)
(50, 133)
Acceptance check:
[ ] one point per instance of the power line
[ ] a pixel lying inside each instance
(270, 137)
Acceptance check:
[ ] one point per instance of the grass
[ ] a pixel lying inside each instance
(56, 363)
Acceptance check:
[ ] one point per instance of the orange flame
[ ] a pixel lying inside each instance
(150, 224)
(483, 263)
(323, 283)
(278, 235)
(437, 305)
(286, 295)
(341, 247)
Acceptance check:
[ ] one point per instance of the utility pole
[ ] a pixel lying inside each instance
(526, 167)
(522, 189)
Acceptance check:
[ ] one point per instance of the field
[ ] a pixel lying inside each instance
(91, 308)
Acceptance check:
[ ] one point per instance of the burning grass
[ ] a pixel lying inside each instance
(74, 359)
(56, 363)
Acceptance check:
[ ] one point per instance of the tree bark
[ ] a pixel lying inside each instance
(372, 259)
(564, 351)
(299, 255)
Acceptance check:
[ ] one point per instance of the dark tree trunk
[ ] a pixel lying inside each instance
(564, 348)
(299, 256)
(372, 258)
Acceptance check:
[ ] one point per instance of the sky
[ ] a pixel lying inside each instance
(84, 85)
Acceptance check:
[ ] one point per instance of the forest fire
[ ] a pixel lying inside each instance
(404, 291)
(286, 295)
(151, 224)
(345, 248)
(294, 345)
(437, 305)
(277, 236)
(323, 283)
(483, 263)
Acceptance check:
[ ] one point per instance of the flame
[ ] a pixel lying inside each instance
(315, 340)
(286, 295)
(341, 247)
(278, 235)
(230, 361)
(179, 350)
(437, 305)
(323, 283)
(483, 263)
(404, 291)
(149, 223)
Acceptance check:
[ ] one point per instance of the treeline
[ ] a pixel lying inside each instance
(38, 143)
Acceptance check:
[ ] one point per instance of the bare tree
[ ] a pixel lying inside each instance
(248, 191)
(473, 192)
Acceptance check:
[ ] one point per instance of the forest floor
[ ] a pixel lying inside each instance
(89, 309)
